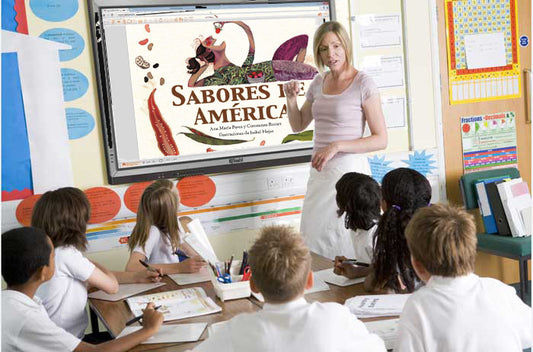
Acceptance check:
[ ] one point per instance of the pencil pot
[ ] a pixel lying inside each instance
(237, 288)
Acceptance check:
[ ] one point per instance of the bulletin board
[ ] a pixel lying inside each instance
(471, 18)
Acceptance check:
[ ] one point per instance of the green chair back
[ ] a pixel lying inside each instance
(468, 183)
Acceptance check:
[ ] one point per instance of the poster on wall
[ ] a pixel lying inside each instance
(483, 56)
(489, 141)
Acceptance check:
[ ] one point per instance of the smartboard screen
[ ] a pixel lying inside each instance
(188, 88)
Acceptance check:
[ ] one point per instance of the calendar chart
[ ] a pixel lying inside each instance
(483, 58)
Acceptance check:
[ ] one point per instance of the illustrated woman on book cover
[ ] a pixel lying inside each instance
(286, 64)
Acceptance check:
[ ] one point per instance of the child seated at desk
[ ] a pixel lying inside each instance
(63, 215)
(457, 310)
(359, 197)
(155, 237)
(281, 270)
(404, 191)
(27, 262)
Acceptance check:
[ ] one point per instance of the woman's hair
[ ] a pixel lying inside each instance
(359, 197)
(339, 30)
(158, 207)
(193, 65)
(404, 191)
(63, 215)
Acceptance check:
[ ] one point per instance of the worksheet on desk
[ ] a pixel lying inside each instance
(125, 291)
(179, 304)
(170, 333)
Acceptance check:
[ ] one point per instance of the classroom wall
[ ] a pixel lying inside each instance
(486, 265)
(423, 105)
(88, 161)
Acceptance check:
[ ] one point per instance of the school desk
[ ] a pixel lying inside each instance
(115, 314)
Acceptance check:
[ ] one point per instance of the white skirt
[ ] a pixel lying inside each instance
(322, 229)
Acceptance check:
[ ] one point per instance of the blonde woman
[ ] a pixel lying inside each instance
(340, 101)
(155, 237)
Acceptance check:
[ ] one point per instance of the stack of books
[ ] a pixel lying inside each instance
(505, 206)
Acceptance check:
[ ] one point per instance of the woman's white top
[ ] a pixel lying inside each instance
(157, 248)
(466, 313)
(65, 295)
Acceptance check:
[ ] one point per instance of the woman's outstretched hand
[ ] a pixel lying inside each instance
(291, 89)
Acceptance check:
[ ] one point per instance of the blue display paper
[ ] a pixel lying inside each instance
(421, 162)
(8, 15)
(379, 167)
(16, 165)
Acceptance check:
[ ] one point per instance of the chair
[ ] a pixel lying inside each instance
(518, 248)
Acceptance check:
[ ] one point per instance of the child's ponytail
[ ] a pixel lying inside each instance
(404, 191)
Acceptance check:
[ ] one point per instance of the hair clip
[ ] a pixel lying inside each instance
(397, 207)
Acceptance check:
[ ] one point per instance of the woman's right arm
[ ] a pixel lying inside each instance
(299, 119)
(103, 279)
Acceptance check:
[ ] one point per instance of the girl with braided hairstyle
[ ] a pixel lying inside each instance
(404, 191)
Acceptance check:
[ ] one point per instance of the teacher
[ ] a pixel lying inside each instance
(340, 100)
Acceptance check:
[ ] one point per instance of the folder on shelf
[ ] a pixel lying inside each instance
(484, 206)
(515, 198)
(497, 208)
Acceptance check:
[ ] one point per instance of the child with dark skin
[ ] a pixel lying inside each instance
(28, 262)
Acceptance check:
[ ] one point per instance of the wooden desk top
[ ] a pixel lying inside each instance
(115, 314)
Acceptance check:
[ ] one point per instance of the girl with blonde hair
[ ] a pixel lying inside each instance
(155, 237)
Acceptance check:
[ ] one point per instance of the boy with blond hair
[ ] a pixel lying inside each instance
(457, 310)
(281, 271)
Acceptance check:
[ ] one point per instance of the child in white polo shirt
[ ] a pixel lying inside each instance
(280, 264)
(27, 262)
(457, 310)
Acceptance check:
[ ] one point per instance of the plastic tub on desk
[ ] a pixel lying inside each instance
(234, 290)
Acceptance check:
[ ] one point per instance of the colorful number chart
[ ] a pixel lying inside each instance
(477, 17)
(489, 141)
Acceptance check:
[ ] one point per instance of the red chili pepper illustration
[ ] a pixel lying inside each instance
(165, 141)
(262, 143)
(147, 27)
(144, 41)
(209, 150)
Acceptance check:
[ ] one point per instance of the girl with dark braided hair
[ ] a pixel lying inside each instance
(404, 191)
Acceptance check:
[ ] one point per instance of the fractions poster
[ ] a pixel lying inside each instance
(489, 141)
(483, 58)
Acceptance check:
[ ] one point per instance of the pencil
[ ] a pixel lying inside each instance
(353, 261)
(229, 265)
(148, 267)
(137, 318)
